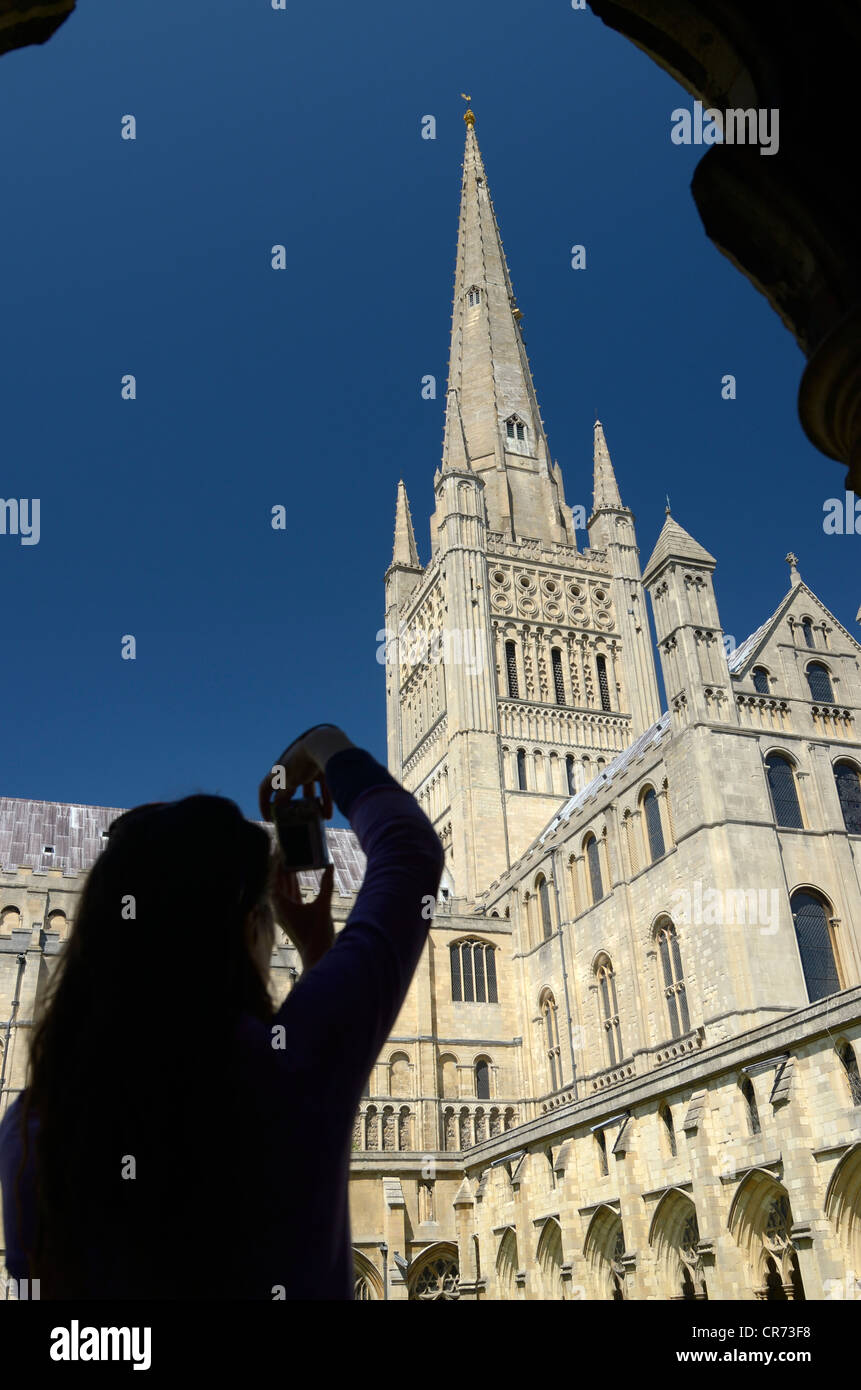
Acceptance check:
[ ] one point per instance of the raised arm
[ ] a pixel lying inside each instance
(343, 1008)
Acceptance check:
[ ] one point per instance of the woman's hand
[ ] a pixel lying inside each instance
(301, 765)
(308, 925)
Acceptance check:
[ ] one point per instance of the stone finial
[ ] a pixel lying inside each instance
(794, 576)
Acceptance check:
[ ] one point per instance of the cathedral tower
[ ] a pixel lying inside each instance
(517, 665)
(687, 622)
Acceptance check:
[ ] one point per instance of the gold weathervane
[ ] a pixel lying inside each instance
(468, 115)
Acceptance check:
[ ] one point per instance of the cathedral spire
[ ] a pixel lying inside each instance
(606, 488)
(405, 552)
(493, 425)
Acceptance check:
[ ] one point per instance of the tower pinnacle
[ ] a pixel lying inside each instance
(405, 552)
(606, 488)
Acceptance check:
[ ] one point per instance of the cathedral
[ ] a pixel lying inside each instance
(627, 1066)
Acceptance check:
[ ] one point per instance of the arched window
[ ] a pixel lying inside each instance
(603, 683)
(666, 1115)
(807, 629)
(673, 977)
(654, 829)
(511, 669)
(760, 680)
(784, 794)
(593, 857)
(543, 890)
(521, 769)
(57, 921)
(846, 1053)
(569, 773)
(750, 1105)
(514, 428)
(10, 919)
(849, 791)
(473, 972)
(609, 1009)
(558, 682)
(819, 681)
(482, 1078)
(473, 296)
(811, 913)
(551, 1039)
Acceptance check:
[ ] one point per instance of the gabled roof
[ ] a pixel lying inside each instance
(754, 643)
(750, 646)
(651, 738)
(75, 832)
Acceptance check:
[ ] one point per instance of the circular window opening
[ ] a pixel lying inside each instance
(550, 587)
(499, 577)
(524, 582)
(599, 594)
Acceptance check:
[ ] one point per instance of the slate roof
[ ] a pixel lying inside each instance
(651, 738)
(75, 833)
(748, 646)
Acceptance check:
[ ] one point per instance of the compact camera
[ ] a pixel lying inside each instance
(299, 826)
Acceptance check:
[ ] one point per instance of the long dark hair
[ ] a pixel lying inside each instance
(130, 1062)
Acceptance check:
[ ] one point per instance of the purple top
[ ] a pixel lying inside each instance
(299, 1101)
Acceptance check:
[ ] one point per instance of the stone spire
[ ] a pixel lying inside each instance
(606, 494)
(493, 425)
(405, 552)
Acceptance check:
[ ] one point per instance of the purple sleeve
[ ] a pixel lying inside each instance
(343, 1009)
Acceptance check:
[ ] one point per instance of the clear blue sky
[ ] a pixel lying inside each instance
(303, 387)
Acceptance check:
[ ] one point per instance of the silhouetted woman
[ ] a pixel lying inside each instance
(179, 1137)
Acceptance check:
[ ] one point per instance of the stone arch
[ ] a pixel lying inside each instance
(368, 1284)
(399, 1075)
(550, 1260)
(507, 1265)
(58, 922)
(843, 1205)
(760, 1221)
(405, 1129)
(603, 1249)
(10, 920)
(482, 1072)
(372, 1128)
(434, 1275)
(448, 1087)
(449, 1136)
(674, 1236)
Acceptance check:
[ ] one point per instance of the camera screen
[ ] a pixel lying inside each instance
(297, 845)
